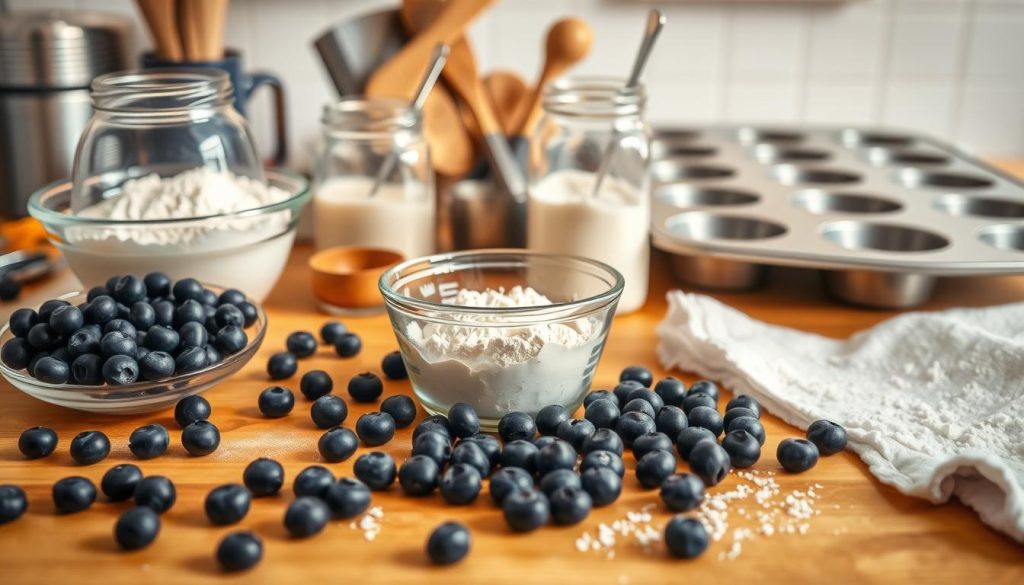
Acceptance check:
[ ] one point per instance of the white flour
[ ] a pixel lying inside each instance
(498, 369)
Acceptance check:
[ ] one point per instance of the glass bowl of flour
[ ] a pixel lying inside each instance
(501, 330)
(215, 226)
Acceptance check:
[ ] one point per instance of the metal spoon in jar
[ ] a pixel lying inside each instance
(437, 61)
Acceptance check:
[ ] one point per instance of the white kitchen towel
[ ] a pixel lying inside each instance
(932, 402)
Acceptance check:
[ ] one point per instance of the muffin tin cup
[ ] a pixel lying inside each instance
(882, 213)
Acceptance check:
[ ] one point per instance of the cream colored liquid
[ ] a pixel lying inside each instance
(565, 218)
(344, 215)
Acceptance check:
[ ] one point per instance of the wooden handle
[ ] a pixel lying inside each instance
(162, 21)
(568, 42)
(209, 18)
(188, 29)
(505, 91)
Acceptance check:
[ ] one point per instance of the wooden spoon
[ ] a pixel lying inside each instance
(210, 16)
(505, 90)
(161, 18)
(187, 14)
(568, 42)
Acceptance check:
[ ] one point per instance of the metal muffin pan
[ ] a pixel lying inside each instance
(882, 212)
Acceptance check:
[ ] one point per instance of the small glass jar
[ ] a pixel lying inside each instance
(592, 125)
(365, 141)
(162, 122)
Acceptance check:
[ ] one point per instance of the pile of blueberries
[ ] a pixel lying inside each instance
(128, 330)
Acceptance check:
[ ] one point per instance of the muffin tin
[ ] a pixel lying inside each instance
(882, 213)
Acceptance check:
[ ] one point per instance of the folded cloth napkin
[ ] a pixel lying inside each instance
(932, 402)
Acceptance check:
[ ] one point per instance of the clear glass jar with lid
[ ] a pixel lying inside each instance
(373, 181)
(162, 122)
(593, 127)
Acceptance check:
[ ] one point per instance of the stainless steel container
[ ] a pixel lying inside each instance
(47, 60)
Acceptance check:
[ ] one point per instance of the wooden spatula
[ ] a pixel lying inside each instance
(161, 17)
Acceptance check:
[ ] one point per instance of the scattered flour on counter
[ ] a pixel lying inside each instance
(369, 523)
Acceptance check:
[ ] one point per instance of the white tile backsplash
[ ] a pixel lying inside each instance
(949, 67)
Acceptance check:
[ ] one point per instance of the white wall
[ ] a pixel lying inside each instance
(952, 68)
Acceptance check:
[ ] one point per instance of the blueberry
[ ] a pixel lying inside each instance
(164, 312)
(376, 469)
(347, 498)
(603, 440)
(188, 289)
(736, 412)
(52, 371)
(316, 383)
(685, 538)
(490, 446)
(192, 335)
(641, 406)
(655, 441)
(429, 425)
(570, 505)
(189, 312)
(745, 401)
(525, 510)
(393, 366)
(375, 428)
(434, 445)
(623, 389)
(129, 289)
(705, 387)
(470, 453)
(250, 313)
(706, 417)
(90, 447)
(600, 395)
(231, 296)
(688, 439)
(120, 481)
(448, 544)
(521, 454)
(603, 484)
(654, 467)
(136, 528)
(37, 442)
(633, 424)
(301, 344)
(21, 321)
(35, 361)
(66, 320)
(743, 448)
(149, 441)
(276, 402)
(516, 425)
(550, 417)
(637, 374)
(575, 432)
(263, 477)
(13, 503)
(557, 455)
(156, 492)
(418, 475)
(710, 462)
(460, 484)
(231, 316)
(42, 337)
(558, 479)
(463, 419)
(47, 309)
(647, 395)
(365, 387)
(337, 444)
(142, 316)
(84, 341)
(797, 455)
(604, 414)
(9, 288)
(191, 409)
(671, 420)
(227, 504)
(329, 411)
(61, 354)
(331, 331)
(827, 436)
(157, 284)
(200, 438)
(313, 481)
(120, 370)
(508, 480)
(749, 424)
(100, 310)
(348, 345)
(159, 338)
(17, 353)
(231, 339)
(87, 370)
(96, 291)
(306, 516)
(73, 494)
(682, 492)
(282, 365)
(671, 391)
(401, 408)
(695, 399)
(239, 551)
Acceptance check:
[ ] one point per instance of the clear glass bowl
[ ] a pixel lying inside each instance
(501, 359)
(246, 250)
(141, 396)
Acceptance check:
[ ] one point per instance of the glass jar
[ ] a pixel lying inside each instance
(162, 122)
(586, 121)
(365, 141)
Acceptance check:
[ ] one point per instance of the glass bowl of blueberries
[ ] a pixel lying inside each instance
(136, 344)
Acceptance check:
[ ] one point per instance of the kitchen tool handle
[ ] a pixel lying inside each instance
(507, 173)
(257, 80)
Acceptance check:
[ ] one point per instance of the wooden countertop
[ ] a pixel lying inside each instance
(866, 532)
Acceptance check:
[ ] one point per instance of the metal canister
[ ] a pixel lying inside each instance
(47, 60)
